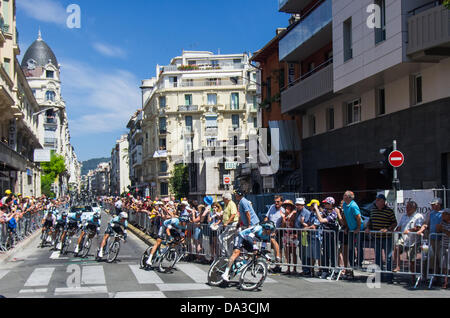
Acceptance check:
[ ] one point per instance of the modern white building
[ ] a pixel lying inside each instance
(198, 102)
(360, 85)
(135, 141)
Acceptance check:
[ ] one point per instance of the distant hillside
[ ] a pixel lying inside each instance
(92, 165)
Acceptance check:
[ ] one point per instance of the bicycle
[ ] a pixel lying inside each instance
(44, 237)
(156, 257)
(171, 255)
(68, 240)
(86, 243)
(255, 265)
(111, 251)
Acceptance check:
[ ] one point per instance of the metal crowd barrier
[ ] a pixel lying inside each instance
(332, 251)
(26, 226)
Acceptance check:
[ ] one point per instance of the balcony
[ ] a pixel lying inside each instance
(233, 108)
(51, 143)
(211, 132)
(292, 6)
(188, 108)
(202, 67)
(311, 89)
(12, 159)
(429, 34)
(211, 83)
(308, 34)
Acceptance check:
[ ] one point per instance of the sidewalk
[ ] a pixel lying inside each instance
(7, 256)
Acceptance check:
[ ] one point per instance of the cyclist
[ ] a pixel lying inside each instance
(173, 228)
(246, 239)
(48, 222)
(93, 223)
(61, 221)
(115, 225)
(73, 223)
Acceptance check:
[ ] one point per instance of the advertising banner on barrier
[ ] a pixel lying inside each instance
(421, 197)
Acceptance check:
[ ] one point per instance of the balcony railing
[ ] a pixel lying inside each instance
(188, 108)
(306, 28)
(429, 32)
(315, 86)
(203, 67)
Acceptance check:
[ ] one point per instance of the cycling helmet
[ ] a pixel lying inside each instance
(97, 215)
(124, 215)
(184, 219)
(268, 226)
(64, 214)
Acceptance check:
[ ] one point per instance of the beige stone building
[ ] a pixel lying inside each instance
(197, 103)
(18, 125)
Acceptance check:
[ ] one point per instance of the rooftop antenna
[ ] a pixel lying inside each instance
(39, 35)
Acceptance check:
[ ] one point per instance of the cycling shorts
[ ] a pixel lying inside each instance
(71, 226)
(173, 232)
(90, 227)
(114, 229)
(246, 243)
(48, 224)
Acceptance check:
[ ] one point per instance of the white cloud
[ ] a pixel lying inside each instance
(44, 10)
(106, 100)
(109, 50)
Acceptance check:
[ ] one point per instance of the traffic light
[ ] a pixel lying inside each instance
(386, 169)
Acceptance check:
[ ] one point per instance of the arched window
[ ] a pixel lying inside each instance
(50, 95)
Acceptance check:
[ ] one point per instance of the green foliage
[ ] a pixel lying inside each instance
(447, 4)
(179, 181)
(51, 172)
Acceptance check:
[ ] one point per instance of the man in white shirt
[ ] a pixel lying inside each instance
(118, 206)
(409, 242)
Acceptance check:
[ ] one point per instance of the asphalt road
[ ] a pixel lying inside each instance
(36, 272)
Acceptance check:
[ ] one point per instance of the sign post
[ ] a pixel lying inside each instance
(396, 159)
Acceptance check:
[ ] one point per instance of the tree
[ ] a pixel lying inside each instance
(179, 181)
(51, 172)
(447, 4)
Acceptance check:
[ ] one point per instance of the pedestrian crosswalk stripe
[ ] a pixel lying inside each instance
(150, 294)
(145, 277)
(81, 290)
(3, 273)
(40, 277)
(208, 297)
(93, 275)
(33, 291)
(198, 275)
(182, 287)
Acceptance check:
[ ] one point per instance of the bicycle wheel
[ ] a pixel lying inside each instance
(168, 260)
(113, 252)
(86, 246)
(65, 246)
(44, 239)
(216, 271)
(253, 276)
(144, 258)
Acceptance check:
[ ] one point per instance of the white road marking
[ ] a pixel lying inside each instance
(182, 287)
(145, 277)
(93, 275)
(57, 255)
(3, 273)
(33, 291)
(81, 290)
(318, 280)
(209, 297)
(40, 277)
(150, 294)
(197, 275)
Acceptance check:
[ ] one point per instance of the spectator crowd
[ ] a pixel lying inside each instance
(327, 234)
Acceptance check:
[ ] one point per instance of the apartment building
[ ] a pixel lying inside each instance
(197, 103)
(135, 141)
(120, 171)
(275, 75)
(43, 73)
(18, 125)
(365, 82)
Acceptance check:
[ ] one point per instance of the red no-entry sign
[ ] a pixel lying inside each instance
(396, 159)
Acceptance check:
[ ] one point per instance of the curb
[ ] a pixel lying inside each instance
(19, 247)
(141, 235)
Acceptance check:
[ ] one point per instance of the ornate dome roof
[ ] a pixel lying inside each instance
(38, 54)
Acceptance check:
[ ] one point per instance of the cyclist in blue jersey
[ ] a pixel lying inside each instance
(73, 223)
(247, 239)
(93, 223)
(115, 225)
(61, 221)
(173, 228)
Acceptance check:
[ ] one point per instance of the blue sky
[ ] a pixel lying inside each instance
(121, 42)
